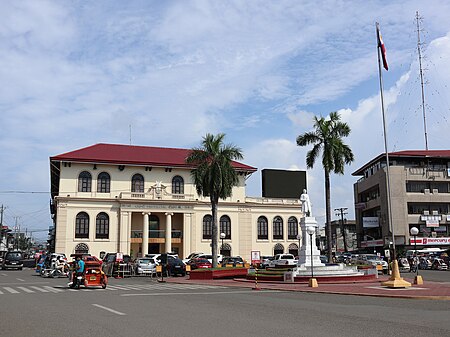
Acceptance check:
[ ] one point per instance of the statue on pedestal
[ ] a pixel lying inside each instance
(306, 203)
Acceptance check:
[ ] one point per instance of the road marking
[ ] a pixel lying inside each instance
(39, 289)
(11, 290)
(109, 309)
(204, 293)
(52, 289)
(21, 280)
(25, 289)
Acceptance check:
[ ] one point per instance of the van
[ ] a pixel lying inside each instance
(13, 259)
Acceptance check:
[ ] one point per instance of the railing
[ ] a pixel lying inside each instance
(275, 201)
(155, 195)
(157, 234)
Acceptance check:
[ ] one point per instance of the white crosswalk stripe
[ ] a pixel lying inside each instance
(25, 289)
(123, 287)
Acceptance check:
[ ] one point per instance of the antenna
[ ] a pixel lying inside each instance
(421, 80)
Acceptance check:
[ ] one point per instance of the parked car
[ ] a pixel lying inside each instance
(323, 258)
(191, 256)
(265, 261)
(13, 259)
(176, 266)
(283, 260)
(145, 265)
(197, 263)
(374, 260)
(209, 257)
(233, 260)
(439, 264)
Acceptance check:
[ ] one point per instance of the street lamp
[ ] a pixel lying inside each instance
(222, 236)
(418, 279)
(299, 237)
(312, 281)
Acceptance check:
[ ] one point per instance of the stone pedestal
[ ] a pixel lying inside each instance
(304, 256)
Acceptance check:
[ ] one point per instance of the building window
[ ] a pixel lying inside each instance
(419, 208)
(84, 182)
(137, 183)
(102, 226)
(103, 183)
(293, 249)
(207, 227)
(225, 226)
(153, 226)
(292, 228)
(82, 226)
(278, 249)
(263, 228)
(278, 228)
(177, 185)
(82, 248)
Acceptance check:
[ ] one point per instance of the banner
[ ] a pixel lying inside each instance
(370, 222)
(430, 241)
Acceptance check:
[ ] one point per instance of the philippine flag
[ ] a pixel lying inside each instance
(382, 48)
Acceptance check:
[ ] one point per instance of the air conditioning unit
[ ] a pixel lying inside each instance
(426, 212)
(435, 212)
(426, 191)
(435, 191)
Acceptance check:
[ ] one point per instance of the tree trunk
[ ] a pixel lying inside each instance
(214, 236)
(328, 216)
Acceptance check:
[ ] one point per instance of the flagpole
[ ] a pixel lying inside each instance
(388, 184)
(395, 281)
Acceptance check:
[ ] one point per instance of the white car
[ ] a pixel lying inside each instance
(283, 260)
(209, 257)
(191, 256)
(145, 266)
(376, 261)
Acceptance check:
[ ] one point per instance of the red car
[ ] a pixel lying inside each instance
(199, 263)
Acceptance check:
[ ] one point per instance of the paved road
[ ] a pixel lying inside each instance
(35, 306)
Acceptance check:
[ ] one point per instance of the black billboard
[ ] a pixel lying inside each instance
(283, 183)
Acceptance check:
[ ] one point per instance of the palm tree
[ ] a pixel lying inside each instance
(214, 176)
(327, 138)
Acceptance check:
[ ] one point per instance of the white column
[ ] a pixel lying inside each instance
(168, 232)
(145, 234)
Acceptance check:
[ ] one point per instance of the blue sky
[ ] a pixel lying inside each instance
(77, 73)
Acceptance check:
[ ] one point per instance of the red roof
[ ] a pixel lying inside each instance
(134, 155)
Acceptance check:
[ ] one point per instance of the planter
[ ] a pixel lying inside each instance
(210, 274)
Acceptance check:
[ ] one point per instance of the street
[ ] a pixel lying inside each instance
(36, 306)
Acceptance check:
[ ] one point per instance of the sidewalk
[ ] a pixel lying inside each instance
(428, 290)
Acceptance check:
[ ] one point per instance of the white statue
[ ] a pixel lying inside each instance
(306, 204)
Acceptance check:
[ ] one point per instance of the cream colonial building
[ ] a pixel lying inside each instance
(139, 200)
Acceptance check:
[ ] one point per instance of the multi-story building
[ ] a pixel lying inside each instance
(138, 200)
(420, 197)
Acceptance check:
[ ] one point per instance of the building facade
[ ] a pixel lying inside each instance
(419, 194)
(138, 200)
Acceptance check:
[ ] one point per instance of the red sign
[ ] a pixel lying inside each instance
(430, 241)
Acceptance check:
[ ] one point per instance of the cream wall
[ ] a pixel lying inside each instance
(243, 212)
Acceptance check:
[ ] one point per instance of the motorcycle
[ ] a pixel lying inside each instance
(57, 272)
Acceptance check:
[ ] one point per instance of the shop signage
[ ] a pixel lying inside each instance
(372, 243)
(430, 241)
(370, 222)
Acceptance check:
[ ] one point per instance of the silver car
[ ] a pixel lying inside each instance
(145, 266)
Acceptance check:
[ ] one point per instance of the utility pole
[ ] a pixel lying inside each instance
(1, 225)
(342, 211)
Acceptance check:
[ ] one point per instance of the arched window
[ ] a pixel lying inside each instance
(82, 226)
(207, 227)
(137, 183)
(263, 228)
(177, 185)
(278, 228)
(278, 249)
(103, 182)
(293, 249)
(292, 228)
(84, 182)
(82, 248)
(225, 226)
(102, 226)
